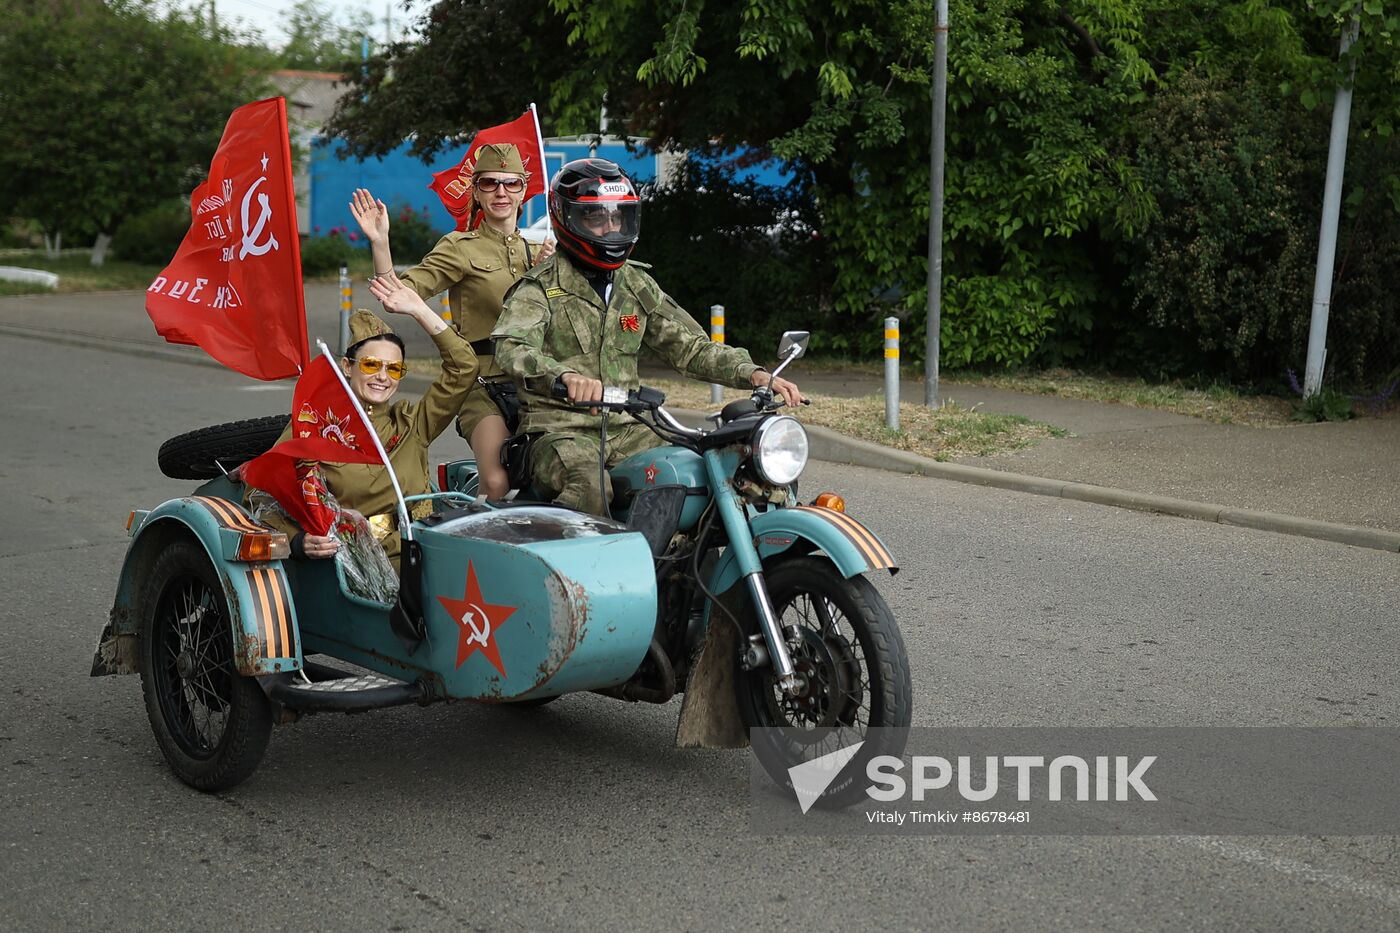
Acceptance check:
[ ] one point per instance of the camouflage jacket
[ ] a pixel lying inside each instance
(554, 323)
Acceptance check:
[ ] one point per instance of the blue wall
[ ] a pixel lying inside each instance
(399, 178)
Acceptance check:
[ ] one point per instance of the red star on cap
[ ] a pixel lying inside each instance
(477, 621)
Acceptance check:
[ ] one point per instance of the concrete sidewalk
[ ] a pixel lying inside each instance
(1295, 477)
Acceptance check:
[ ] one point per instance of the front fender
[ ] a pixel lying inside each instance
(852, 547)
(266, 638)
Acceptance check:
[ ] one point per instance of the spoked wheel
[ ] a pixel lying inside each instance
(211, 723)
(852, 671)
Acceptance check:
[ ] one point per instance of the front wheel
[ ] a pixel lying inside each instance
(852, 669)
(211, 723)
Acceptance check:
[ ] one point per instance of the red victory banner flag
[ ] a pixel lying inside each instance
(234, 286)
(327, 426)
(454, 185)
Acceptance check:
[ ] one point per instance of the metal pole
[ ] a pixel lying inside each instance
(892, 373)
(1331, 207)
(935, 214)
(344, 310)
(717, 335)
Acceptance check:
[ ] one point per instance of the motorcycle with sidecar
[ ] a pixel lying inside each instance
(709, 579)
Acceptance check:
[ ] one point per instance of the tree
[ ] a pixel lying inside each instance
(121, 108)
(317, 40)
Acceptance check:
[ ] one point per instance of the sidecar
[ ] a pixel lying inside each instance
(518, 605)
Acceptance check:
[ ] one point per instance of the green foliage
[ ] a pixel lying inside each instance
(153, 235)
(714, 240)
(1223, 276)
(320, 40)
(121, 106)
(411, 233)
(1326, 405)
(322, 255)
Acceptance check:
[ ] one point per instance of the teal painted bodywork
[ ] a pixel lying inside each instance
(188, 516)
(672, 466)
(779, 530)
(567, 601)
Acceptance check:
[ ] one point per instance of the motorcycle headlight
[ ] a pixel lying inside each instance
(780, 450)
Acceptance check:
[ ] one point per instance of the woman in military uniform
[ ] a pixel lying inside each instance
(373, 365)
(475, 267)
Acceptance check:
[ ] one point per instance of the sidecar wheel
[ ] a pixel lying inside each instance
(211, 724)
(851, 659)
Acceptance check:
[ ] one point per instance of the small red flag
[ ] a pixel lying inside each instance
(327, 427)
(454, 185)
(234, 286)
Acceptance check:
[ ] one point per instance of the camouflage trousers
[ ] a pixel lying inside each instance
(565, 465)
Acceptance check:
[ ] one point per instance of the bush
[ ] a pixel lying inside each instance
(322, 255)
(1221, 280)
(714, 240)
(153, 235)
(411, 234)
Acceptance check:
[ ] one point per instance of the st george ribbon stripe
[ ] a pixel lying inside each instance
(875, 553)
(228, 516)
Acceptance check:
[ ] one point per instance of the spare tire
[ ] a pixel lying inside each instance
(199, 454)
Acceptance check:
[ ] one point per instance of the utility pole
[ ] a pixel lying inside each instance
(935, 214)
(1331, 208)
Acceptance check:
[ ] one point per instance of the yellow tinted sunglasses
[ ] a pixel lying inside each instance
(370, 365)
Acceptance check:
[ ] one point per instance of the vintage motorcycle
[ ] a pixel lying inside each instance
(710, 579)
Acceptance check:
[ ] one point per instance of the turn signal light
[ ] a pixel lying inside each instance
(830, 500)
(263, 546)
(129, 519)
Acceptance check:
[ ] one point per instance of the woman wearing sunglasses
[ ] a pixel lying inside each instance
(373, 365)
(475, 267)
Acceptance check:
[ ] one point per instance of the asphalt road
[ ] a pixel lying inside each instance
(1016, 609)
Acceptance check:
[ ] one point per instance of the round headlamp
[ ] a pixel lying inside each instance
(780, 450)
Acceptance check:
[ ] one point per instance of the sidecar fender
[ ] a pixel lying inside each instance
(264, 621)
(852, 547)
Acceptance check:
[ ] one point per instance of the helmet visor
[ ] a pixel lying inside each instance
(604, 221)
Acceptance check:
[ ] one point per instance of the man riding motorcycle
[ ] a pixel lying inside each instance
(581, 318)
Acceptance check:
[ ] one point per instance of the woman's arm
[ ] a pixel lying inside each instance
(443, 401)
(373, 218)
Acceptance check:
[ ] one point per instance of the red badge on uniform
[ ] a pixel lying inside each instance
(630, 323)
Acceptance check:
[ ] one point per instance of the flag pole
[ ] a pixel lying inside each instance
(405, 529)
(544, 165)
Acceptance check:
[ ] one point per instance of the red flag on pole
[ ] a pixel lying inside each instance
(326, 426)
(234, 286)
(454, 185)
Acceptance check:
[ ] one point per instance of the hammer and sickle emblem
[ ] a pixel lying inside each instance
(251, 246)
(480, 635)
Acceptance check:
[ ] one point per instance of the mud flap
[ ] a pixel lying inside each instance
(710, 712)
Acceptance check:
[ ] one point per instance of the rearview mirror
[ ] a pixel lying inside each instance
(793, 344)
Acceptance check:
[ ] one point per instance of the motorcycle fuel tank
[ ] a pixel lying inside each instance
(667, 466)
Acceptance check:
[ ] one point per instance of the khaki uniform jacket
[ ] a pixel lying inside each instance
(475, 268)
(406, 429)
(554, 323)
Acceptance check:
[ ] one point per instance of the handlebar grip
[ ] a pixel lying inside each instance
(559, 390)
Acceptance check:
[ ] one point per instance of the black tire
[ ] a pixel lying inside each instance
(198, 454)
(854, 663)
(211, 724)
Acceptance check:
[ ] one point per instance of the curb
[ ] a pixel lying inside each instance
(837, 448)
(832, 447)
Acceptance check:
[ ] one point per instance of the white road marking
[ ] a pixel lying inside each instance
(1386, 894)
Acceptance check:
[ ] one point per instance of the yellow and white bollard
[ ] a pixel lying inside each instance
(446, 308)
(892, 373)
(716, 335)
(344, 309)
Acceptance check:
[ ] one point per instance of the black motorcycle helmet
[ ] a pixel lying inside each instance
(595, 211)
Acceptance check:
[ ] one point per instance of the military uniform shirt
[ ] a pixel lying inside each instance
(475, 267)
(554, 323)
